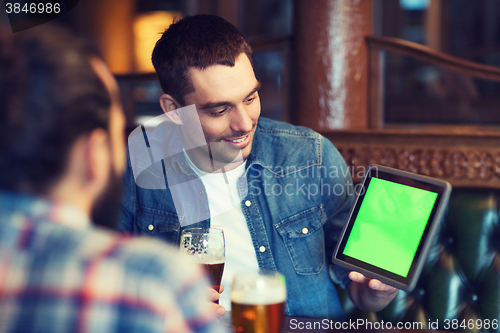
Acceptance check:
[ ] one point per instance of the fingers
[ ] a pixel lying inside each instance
(372, 283)
(219, 310)
(379, 286)
(358, 277)
(213, 294)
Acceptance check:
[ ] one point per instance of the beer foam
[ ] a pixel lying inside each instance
(259, 297)
(209, 260)
(204, 259)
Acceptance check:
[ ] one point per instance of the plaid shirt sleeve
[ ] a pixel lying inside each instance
(185, 304)
(57, 279)
(192, 298)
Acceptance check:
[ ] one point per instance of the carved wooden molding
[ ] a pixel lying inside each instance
(472, 161)
(458, 164)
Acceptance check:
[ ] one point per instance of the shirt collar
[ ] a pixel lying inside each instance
(37, 207)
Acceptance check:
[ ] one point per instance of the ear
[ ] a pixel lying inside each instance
(170, 107)
(98, 157)
(87, 171)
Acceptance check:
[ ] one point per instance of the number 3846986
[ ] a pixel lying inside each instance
(471, 324)
(33, 8)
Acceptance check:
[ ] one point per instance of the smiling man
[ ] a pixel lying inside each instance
(228, 110)
(289, 210)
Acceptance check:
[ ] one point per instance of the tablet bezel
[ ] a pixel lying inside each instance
(442, 188)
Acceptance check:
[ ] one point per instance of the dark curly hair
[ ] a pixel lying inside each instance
(49, 96)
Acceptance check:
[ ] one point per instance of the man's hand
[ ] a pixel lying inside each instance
(219, 310)
(369, 295)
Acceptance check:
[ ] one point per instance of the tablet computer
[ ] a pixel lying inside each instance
(391, 225)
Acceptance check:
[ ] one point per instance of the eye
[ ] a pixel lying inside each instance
(250, 99)
(219, 112)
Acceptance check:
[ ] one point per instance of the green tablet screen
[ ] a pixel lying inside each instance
(389, 225)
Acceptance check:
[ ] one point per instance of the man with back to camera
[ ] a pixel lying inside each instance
(61, 157)
(287, 217)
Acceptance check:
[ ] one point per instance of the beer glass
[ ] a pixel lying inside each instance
(257, 302)
(206, 246)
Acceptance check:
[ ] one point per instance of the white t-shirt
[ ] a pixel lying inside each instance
(225, 213)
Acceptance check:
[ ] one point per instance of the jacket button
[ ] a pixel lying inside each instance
(201, 192)
(305, 231)
(262, 249)
(248, 203)
(151, 227)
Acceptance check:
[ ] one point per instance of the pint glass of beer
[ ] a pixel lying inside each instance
(258, 302)
(205, 246)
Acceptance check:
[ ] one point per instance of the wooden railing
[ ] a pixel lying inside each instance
(376, 45)
(464, 155)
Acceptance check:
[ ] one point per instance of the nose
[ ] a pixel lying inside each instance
(241, 120)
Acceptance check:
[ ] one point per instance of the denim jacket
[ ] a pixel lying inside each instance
(296, 198)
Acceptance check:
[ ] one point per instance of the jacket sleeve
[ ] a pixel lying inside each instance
(337, 204)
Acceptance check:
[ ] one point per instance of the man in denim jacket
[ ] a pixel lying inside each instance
(290, 190)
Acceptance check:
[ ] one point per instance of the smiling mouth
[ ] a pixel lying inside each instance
(238, 140)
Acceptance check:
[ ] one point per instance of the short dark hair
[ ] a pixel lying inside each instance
(49, 97)
(196, 41)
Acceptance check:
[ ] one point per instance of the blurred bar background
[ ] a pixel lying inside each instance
(318, 70)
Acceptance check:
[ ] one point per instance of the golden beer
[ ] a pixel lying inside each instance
(257, 318)
(258, 302)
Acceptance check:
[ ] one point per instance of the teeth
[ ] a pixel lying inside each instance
(239, 140)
